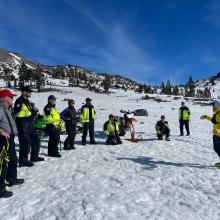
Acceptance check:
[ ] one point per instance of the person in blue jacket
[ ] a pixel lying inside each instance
(69, 115)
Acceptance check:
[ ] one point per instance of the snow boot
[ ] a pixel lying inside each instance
(36, 159)
(217, 165)
(6, 194)
(15, 182)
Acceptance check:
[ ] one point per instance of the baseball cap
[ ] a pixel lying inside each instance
(88, 100)
(26, 89)
(6, 93)
(52, 97)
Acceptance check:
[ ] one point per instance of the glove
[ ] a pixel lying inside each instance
(203, 117)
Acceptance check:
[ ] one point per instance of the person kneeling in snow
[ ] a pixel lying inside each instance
(162, 128)
(215, 119)
(111, 129)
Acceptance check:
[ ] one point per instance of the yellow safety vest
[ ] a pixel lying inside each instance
(53, 117)
(84, 116)
(185, 115)
(24, 113)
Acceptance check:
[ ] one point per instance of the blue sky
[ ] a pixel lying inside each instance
(146, 40)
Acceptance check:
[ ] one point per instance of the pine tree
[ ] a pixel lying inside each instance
(140, 88)
(163, 88)
(23, 74)
(39, 78)
(207, 93)
(106, 84)
(176, 90)
(168, 88)
(190, 87)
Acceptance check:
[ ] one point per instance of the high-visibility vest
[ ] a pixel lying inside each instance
(110, 128)
(84, 116)
(184, 115)
(24, 113)
(53, 117)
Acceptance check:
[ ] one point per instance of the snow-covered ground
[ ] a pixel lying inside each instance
(147, 180)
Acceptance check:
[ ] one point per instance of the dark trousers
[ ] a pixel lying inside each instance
(54, 139)
(113, 139)
(12, 164)
(165, 131)
(28, 139)
(186, 124)
(4, 145)
(71, 131)
(88, 126)
(216, 144)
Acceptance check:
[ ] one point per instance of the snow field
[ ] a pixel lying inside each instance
(146, 180)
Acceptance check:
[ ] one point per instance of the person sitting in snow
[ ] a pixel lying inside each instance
(162, 128)
(215, 119)
(111, 130)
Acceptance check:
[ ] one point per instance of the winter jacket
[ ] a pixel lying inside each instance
(22, 108)
(87, 114)
(184, 113)
(7, 122)
(69, 116)
(215, 119)
(110, 128)
(160, 126)
(52, 116)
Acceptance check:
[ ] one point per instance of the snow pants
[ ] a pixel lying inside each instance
(71, 131)
(165, 131)
(216, 144)
(88, 126)
(113, 140)
(28, 137)
(12, 164)
(54, 139)
(186, 124)
(4, 146)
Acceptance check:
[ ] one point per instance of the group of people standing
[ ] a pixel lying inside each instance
(19, 120)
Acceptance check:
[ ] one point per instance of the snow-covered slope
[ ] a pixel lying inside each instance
(146, 180)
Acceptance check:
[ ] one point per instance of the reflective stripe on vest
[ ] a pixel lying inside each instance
(110, 128)
(24, 113)
(4, 155)
(185, 115)
(84, 117)
(53, 118)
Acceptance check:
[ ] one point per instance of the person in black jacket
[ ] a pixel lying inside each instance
(27, 134)
(162, 128)
(87, 117)
(69, 116)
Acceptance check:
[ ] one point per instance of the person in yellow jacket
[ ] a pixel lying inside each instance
(54, 125)
(184, 118)
(111, 129)
(215, 119)
(87, 118)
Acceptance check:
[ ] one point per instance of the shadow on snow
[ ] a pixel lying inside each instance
(151, 164)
